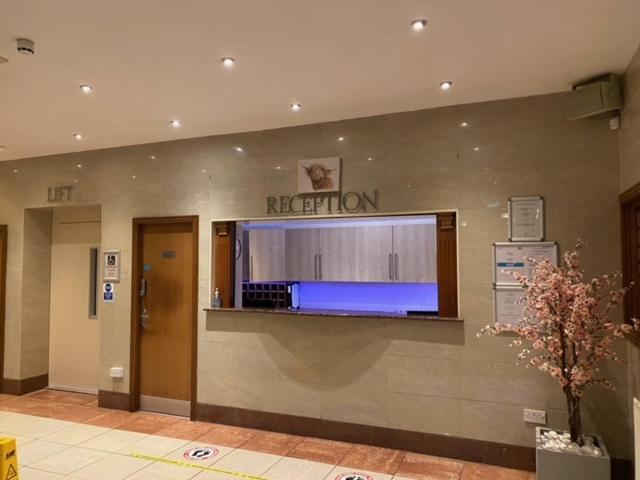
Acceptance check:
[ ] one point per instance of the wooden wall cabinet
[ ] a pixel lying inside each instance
(320, 254)
(337, 254)
(267, 255)
(377, 253)
(396, 253)
(374, 254)
(302, 249)
(414, 253)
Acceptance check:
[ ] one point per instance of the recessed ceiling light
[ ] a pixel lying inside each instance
(341, 139)
(152, 157)
(369, 159)
(176, 123)
(79, 165)
(418, 24)
(296, 107)
(278, 167)
(86, 88)
(133, 176)
(77, 136)
(446, 85)
(76, 181)
(464, 124)
(15, 170)
(228, 61)
(476, 149)
(239, 149)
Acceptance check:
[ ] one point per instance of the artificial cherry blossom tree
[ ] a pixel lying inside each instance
(567, 329)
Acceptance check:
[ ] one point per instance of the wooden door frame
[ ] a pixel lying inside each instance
(628, 200)
(3, 295)
(136, 272)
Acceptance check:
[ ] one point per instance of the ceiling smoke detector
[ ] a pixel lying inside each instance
(26, 46)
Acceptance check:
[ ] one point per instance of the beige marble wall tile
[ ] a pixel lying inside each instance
(36, 270)
(423, 413)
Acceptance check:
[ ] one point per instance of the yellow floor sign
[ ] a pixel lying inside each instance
(8, 459)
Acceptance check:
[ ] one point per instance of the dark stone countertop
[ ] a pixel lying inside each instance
(337, 313)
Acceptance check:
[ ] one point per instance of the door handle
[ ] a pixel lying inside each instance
(144, 319)
(251, 268)
(143, 287)
(396, 269)
(390, 267)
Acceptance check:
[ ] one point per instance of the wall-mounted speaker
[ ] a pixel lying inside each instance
(594, 97)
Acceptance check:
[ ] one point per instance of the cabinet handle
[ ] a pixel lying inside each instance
(315, 267)
(320, 265)
(397, 272)
(251, 268)
(390, 267)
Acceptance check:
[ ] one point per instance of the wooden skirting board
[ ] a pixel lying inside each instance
(25, 385)
(114, 400)
(467, 449)
(479, 451)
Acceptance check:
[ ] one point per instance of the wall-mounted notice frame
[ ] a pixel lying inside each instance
(507, 308)
(111, 266)
(526, 219)
(510, 257)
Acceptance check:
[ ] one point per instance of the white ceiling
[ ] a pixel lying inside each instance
(151, 61)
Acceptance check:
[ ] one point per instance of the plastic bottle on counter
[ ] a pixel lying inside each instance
(215, 303)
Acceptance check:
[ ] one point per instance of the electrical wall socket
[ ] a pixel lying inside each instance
(116, 372)
(535, 416)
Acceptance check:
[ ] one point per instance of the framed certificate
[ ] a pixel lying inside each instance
(507, 308)
(510, 257)
(111, 266)
(526, 219)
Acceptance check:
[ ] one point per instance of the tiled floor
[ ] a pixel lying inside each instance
(66, 435)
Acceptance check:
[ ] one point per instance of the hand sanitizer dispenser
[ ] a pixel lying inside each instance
(215, 303)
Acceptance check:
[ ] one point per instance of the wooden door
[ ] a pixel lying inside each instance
(414, 250)
(630, 202)
(3, 279)
(302, 254)
(374, 254)
(166, 289)
(337, 254)
(267, 255)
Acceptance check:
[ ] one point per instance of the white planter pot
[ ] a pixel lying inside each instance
(552, 465)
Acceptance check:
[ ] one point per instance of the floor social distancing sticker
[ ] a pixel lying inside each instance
(200, 453)
(353, 476)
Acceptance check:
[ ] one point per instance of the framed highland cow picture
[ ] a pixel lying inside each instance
(319, 175)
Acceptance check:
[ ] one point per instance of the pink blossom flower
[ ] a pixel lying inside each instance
(565, 322)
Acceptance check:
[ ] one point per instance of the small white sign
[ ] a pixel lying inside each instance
(111, 266)
(510, 257)
(508, 307)
(526, 219)
(108, 293)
